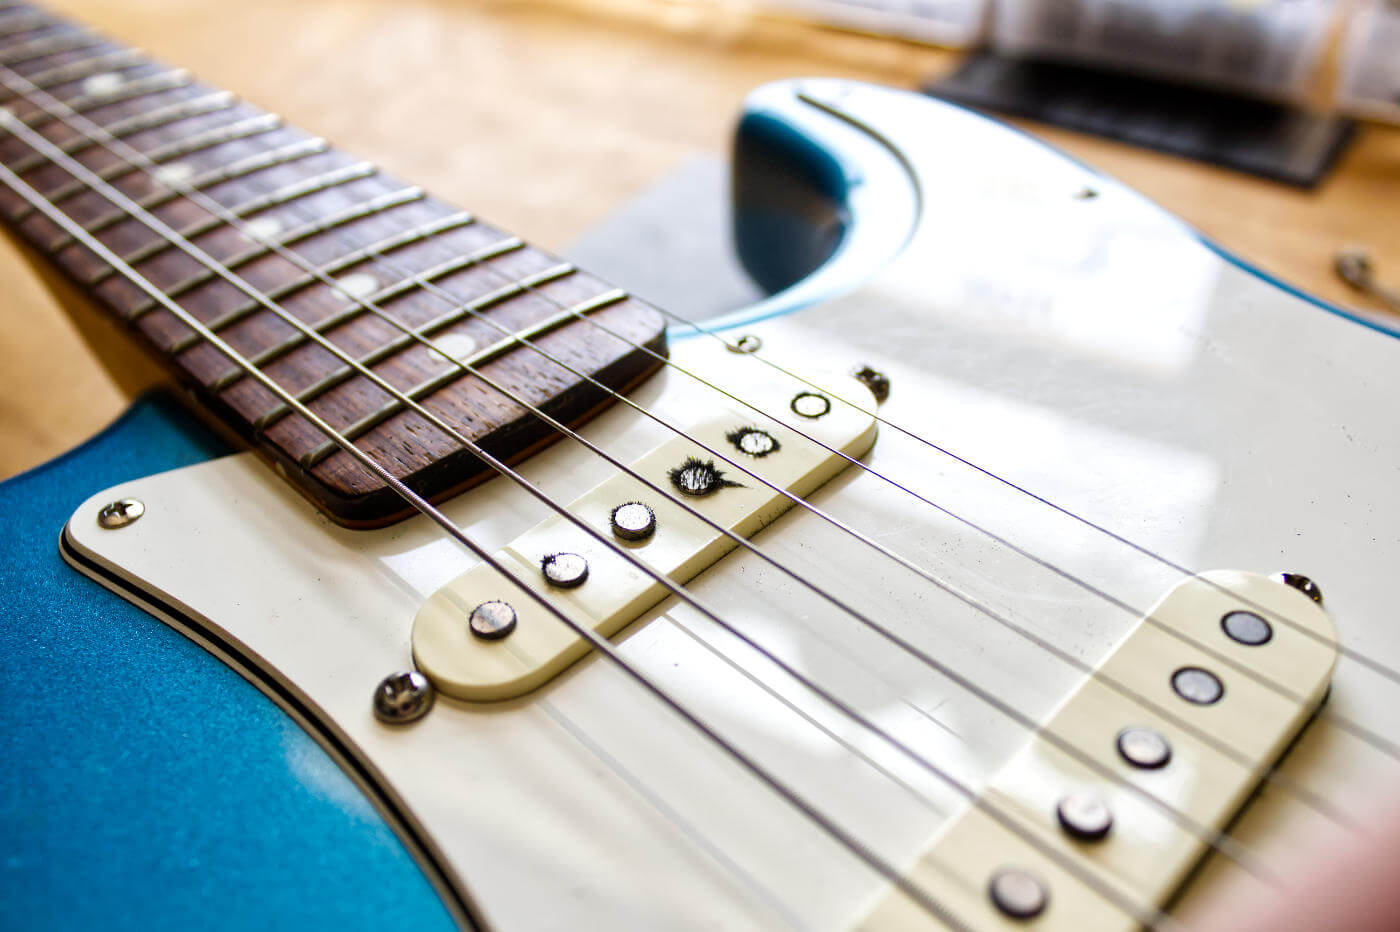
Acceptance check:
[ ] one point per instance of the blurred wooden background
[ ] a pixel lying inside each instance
(545, 116)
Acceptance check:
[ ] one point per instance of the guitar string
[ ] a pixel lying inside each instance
(1215, 839)
(1201, 832)
(692, 832)
(1349, 725)
(1092, 881)
(1146, 916)
(1356, 728)
(78, 171)
(422, 505)
(1390, 748)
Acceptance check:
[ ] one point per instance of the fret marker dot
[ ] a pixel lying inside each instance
(104, 83)
(455, 345)
(262, 228)
(359, 285)
(174, 173)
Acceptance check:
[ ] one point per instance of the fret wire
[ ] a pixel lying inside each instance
(217, 176)
(198, 142)
(1268, 775)
(1219, 842)
(156, 118)
(355, 309)
(355, 212)
(564, 512)
(53, 45)
(443, 379)
(893, 874)
(21, 40)
(85, 68)
(36, 20)
(148, 86)
(605, 647)
(1271, 776)
(232, 132)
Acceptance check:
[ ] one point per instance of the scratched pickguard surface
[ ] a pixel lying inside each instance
(1090, 349)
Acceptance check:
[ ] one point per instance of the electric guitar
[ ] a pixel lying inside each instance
(939, 588)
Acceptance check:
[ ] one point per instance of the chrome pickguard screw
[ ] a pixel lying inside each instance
(120, 513)
(492, 620)
(403, 697)
(1354, 266)
(748, 343)
(873, 379)
(1300, 582)
(1018, 893)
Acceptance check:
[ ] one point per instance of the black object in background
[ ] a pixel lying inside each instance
(1259, 137)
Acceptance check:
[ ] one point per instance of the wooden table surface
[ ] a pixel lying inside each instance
(544, 117)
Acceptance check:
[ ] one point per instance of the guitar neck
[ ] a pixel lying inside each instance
(314, 266)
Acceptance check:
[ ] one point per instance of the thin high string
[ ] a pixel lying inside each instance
(1360, 731)
(43, 146)
(599, 643)
(1216, 840)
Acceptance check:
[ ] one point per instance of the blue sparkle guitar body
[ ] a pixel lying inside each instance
(146, 783)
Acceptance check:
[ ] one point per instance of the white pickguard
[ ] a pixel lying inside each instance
(1094, 351)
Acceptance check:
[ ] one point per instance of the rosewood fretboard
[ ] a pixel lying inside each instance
(387, 247)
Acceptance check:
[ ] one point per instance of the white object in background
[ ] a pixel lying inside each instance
(1370, 81)
(1269, 48)
(956, 23)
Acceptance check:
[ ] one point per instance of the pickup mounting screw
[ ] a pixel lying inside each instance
(873, 379)
(492, 620)
(748, 343)
(120, 513)
(633, 521)
(565, 570)
(1300, 582)
(1085, 815)
(1018, 893)
(403, 697)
